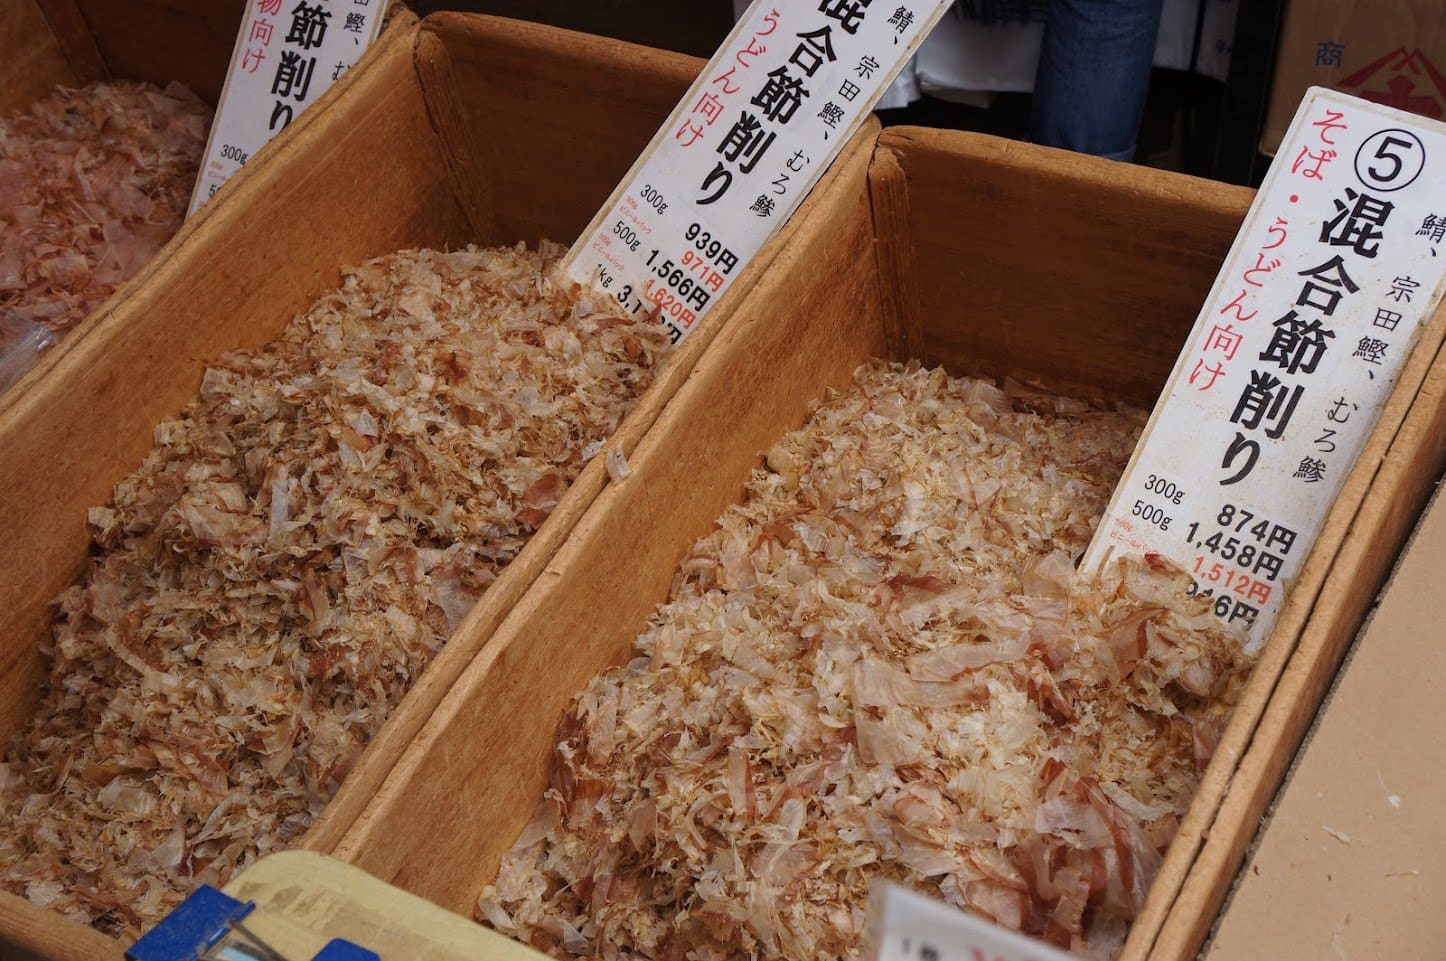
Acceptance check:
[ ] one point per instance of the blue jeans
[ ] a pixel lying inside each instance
(1094, 72)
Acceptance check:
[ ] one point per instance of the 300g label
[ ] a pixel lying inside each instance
(233, 152)
(654, 198)
(1167, 489)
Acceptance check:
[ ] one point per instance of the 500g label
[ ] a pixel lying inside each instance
(628, 235)
(1152, 515)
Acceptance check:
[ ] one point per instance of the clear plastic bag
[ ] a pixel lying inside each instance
(22, 341)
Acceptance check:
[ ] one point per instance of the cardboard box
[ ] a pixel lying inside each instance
(1389, 51)
(985, 256)
(461, 129)
(1354, 842)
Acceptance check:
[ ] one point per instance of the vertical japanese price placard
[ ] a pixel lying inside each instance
(905, 926)
(752, 136)
(287, 54)
(1338, 265)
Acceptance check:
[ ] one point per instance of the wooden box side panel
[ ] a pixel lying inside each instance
(240, 271)
(1390, 486)
(1080, 273)
(31, 933)
(160, 41)
(578, 111)
(453, 806)
(31, 59)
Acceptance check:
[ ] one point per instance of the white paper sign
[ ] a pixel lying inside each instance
(906, 926)
(287, 54)
(1338, 264)
(773, 107)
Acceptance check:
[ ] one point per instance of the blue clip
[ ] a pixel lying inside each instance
(339, 950)
(187, 932)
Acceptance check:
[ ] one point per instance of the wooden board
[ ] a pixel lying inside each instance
(31, 60)
(165, 41)
(696, 28)
(584, 125)
(380, 164)
(1038, 238)
(1352, 842)
(77, 41)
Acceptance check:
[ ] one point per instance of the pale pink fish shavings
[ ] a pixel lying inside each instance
(883, 664)
(293, 552)
(93, 182)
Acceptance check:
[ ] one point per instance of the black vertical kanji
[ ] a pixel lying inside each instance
(308, 25)
(1297, 345)
(848, 13)
(781, 95)
(1357, 223)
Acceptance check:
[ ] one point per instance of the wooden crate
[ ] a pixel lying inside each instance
(460, 129)
(987, 257)
(45, 43)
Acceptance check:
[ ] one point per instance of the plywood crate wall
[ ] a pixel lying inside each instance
(47, 43)
(461, 129)
(986, 257)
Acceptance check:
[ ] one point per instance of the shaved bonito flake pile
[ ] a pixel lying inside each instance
(883, 664)
(93, 182)
(298, 545)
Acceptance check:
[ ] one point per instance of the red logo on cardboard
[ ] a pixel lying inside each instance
(1403, 79)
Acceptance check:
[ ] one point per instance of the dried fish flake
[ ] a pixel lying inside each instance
(299, 544)
(883, 664)
(93, 181)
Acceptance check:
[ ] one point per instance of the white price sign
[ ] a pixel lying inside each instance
(773, 107)
(287, 54)
(1338, 264)
(906, 926)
